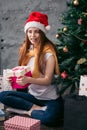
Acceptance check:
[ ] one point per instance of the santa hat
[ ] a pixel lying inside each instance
(39, 20)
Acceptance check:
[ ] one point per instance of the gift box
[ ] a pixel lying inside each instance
(21, 123)
(20, 71)
(6, 86)
(14, 73)
(17, 71)
(83, 85)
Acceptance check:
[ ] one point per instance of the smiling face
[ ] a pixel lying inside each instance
(34, 36)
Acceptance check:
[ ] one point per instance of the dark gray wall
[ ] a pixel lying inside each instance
(13, 14)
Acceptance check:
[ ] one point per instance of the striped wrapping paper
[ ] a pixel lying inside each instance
(21, 123)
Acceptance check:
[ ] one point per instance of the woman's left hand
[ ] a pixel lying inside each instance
(22, 80)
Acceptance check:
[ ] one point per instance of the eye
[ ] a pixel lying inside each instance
(29, 31)
(37, 31)
(33, 31)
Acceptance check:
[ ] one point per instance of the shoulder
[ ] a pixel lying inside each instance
(47, 55)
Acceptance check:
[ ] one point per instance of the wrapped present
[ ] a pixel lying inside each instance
(15, 73)
(14, 84)
(6, 85)
(21, 123)
(20, 71)
(83, 85)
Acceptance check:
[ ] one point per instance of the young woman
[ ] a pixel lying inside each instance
(39, 53)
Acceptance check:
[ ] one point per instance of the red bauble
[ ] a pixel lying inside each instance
(65, 49)
(84, 41)
(80, 21)
(64, 75)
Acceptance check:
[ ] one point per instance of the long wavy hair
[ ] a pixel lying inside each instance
(24, 49)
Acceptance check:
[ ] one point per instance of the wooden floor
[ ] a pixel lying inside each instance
(43, 127)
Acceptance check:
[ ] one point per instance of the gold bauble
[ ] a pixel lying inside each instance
(76, 3)
(81, 60)
(65, 29)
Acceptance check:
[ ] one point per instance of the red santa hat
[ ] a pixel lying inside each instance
(39, 20)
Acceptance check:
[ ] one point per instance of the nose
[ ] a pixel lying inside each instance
(33, 34)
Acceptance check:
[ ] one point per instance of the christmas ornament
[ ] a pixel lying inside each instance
(57, 35)
(81, 60)
(76, 3)
(80, 21)
(71, 15)
(65, 49)
(85, 14)
(64, 75)
(84, 41)
(65, 29)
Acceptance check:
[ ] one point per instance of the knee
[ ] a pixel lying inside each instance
(3, 95)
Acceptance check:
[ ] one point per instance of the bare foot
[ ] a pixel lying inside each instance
(34, 107)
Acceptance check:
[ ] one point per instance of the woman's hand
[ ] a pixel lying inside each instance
(22, 80)
(9, 79)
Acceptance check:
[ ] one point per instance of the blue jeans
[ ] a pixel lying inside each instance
(24, 101)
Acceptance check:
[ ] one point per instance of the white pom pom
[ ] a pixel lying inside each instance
(48, 27)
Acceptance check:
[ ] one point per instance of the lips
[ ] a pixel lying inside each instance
(33, 39)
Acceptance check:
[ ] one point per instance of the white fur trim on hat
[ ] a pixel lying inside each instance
(48, 27)
(35, 24)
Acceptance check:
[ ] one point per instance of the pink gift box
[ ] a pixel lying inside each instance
(21, 123)
(17, 72)
(15, 85)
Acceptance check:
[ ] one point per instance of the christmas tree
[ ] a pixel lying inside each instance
(72, 45)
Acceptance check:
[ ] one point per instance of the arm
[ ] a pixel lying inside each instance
(46, 80)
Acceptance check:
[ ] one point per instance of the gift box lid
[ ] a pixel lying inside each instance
(22, 123)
